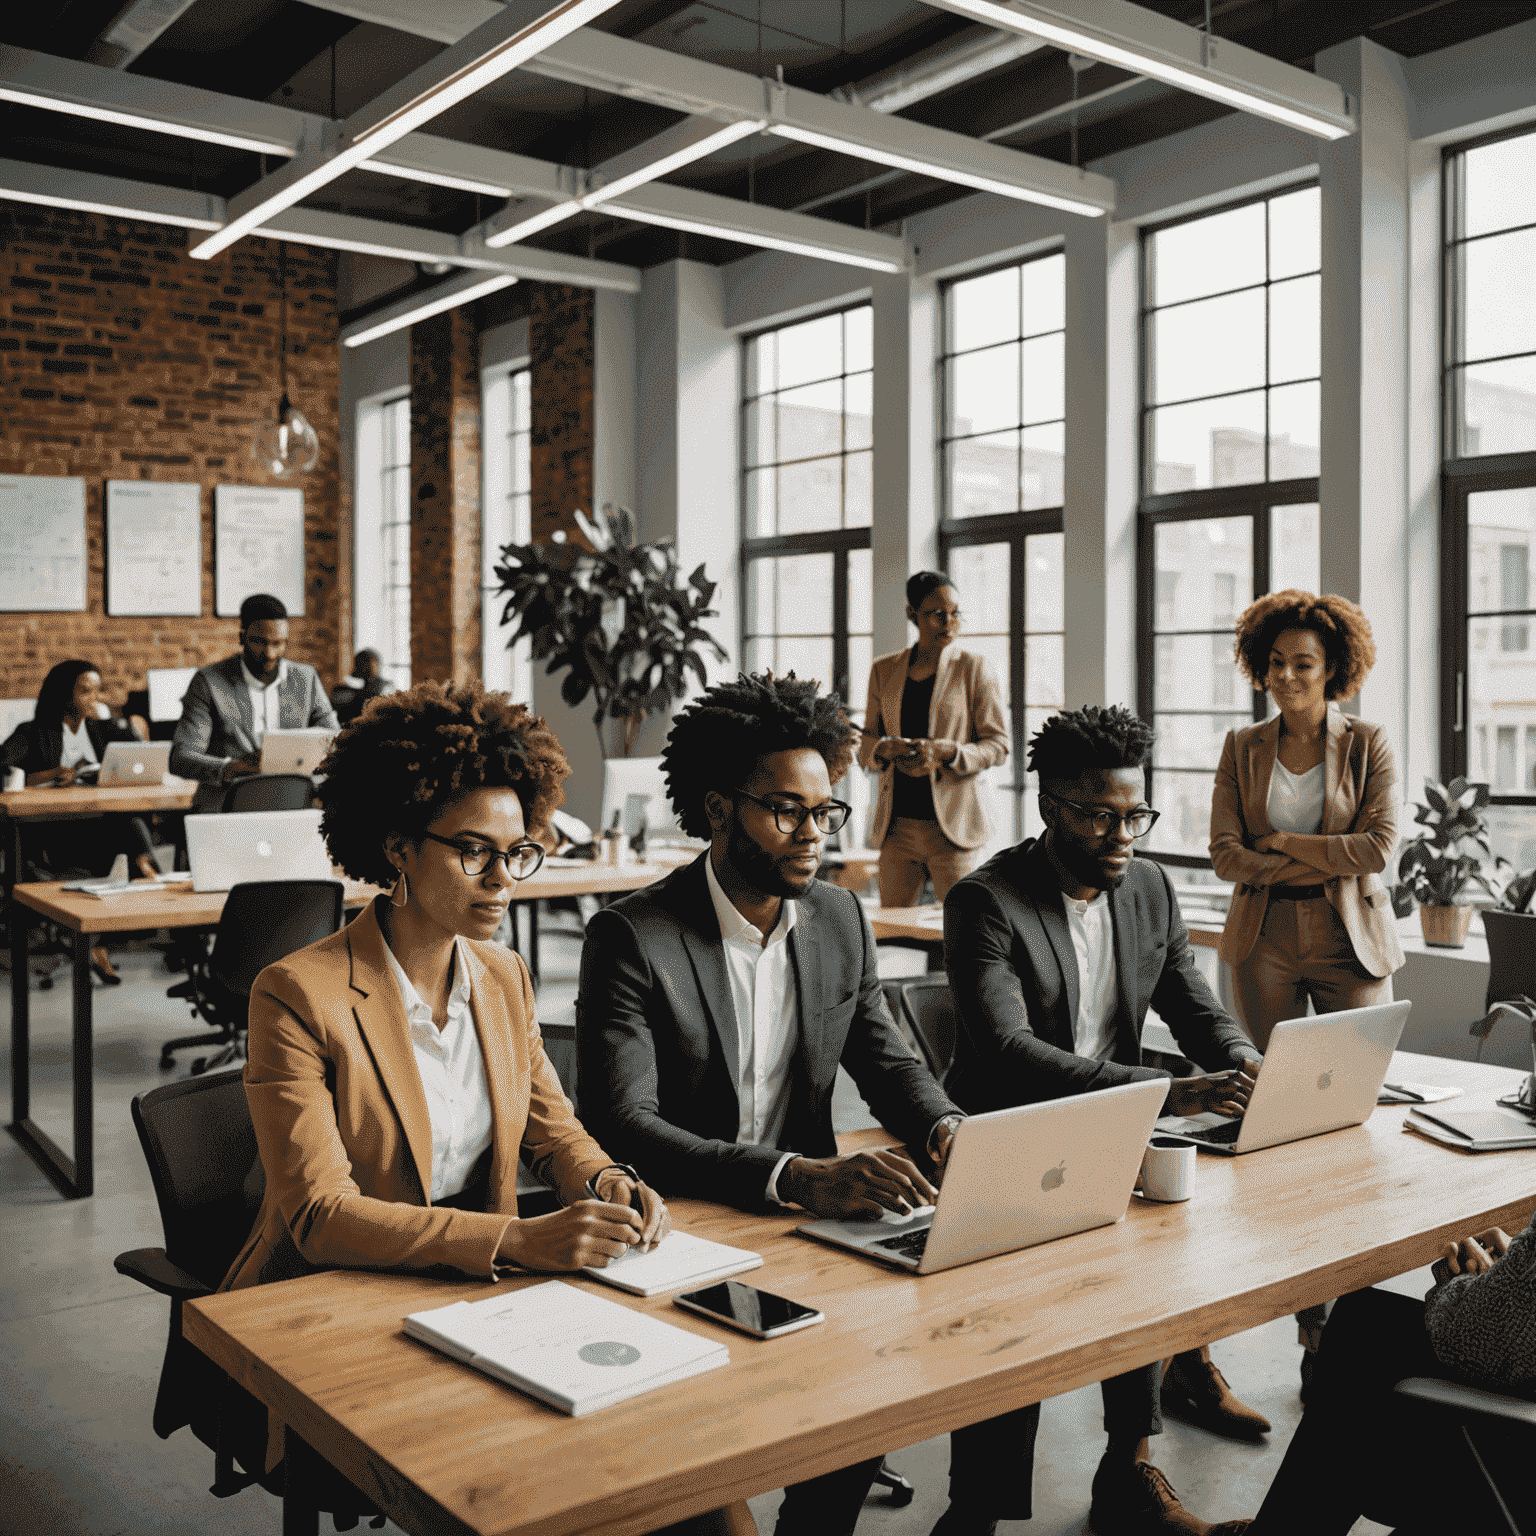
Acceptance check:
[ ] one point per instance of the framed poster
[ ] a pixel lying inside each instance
(154, 548)
(42, 544)
(258, 546)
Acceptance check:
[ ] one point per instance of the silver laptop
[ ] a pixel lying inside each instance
(1320, 1074)
(247, 846)
(294, 751)
(135, 762)
(1017, 1177)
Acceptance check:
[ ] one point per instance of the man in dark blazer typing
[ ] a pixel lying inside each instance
(716, 1005)
(1055, 949)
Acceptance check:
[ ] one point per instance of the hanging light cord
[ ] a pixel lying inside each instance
(282, 356)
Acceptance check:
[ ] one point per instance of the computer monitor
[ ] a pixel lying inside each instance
(166, 687)
(635, 788)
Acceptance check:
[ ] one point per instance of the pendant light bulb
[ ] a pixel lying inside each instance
(286, 444)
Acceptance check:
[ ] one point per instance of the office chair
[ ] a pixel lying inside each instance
(928, 1007)
(559, 1034)
(1511, 955)
(1494, 1411)
(201, 1149)
(270, 792)
(262, 921)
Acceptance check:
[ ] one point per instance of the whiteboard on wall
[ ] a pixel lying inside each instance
(42, 544)
(258, 546)
(154, 548)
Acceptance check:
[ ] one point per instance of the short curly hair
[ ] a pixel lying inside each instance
(1339, 624)
(716, 741)
(1093, 739)
(410, 756)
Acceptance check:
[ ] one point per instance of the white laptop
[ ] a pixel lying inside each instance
(135, 762)
(246, 846)
(1320, 1074)
(294, 751)
(1018, 1177)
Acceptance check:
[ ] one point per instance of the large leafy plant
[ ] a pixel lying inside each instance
(1452, 852)
(618, 617)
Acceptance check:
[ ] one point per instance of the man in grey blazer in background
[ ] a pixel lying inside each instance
(229, 706)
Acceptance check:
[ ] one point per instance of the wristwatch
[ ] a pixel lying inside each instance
(623, 1168)
(952, 1121)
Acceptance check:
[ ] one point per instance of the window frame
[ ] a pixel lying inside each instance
(371, 600)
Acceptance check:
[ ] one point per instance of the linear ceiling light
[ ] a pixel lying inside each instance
(725, 231)
(433, 178)
(862, 150)
(699, 149)
(432, 303)
(521, 229)
(492, 50)
(1107, 30)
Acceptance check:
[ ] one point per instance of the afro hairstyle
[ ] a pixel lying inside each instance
(412, 755)
(1339, 624)
(1096, 738)
(715, 743)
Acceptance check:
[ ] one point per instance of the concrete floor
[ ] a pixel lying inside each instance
(80, 1346)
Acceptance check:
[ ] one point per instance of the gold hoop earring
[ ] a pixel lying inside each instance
(401, 894)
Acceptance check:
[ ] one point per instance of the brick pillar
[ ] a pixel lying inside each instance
(562, 439)
(445, 498)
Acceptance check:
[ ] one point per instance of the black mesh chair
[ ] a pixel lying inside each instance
(270, 792)
(928, 1009)
(261, 922)
(1511, 955)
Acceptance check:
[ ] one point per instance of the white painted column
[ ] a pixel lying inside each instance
(904, 530)
(1099, 514)
(1368, 334)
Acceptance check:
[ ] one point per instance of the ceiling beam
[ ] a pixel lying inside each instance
(462, 288)
(115, 196)
(516, 34)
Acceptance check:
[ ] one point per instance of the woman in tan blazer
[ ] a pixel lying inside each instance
(933, 721)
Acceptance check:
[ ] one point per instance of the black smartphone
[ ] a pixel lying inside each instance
(749, 1310)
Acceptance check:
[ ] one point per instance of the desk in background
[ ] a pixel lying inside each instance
(85, 917)
(899, 1359)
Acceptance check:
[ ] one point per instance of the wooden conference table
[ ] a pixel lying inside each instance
(444, 1449)
(925, 925)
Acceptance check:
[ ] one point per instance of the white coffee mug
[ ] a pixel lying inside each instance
(15, 778)
(1168, 1169)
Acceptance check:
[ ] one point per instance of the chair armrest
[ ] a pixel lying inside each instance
(1464, 1399)
(149, 1266)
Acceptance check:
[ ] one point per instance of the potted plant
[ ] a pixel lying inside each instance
(616, 616)
(1451, 853)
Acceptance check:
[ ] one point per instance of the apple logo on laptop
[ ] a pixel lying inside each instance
(138, 767)
(264, 849)
(1054, 1177)
(1325, 1080)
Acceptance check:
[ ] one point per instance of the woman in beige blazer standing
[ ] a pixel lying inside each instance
(933, 722)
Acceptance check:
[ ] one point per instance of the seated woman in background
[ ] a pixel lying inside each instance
(64, 736)
(1364, 1449)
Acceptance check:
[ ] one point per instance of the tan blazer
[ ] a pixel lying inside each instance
(1359, 821)
(967, 707)
(342, 1124)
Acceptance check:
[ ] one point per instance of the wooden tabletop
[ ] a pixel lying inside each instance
(584, 878)
(900, 1357)
(926, 924)
(45, 802)
(164, 907)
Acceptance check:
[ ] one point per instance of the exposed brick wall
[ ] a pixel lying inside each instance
(562, 361)
(445, 498)
(122, 358)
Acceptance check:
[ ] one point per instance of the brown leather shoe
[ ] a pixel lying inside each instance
(1135, 1499)
(1195, 1391)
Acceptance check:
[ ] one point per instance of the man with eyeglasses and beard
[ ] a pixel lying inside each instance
(1055, 949)
(716, 1005)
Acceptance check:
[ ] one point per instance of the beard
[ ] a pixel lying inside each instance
(763, 871)
(1088, 867)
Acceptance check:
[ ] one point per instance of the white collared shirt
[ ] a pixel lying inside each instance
(452, 1076)
(77, 747)
(1093, 942)
(767, 1020)
(266, 706)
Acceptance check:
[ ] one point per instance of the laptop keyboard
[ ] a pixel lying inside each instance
(909, 1245)
(1224, 1135)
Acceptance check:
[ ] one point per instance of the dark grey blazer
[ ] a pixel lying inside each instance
(217, 724)
(1009, 955)
(659, 1060)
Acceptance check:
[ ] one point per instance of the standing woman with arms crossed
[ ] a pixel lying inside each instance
(1303, 821)
(933, 722)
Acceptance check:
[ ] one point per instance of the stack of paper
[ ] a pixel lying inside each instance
(565, 1346)
(679, 1259)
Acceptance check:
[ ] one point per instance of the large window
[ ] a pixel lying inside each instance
(505, 519)
(1488, 665)
(382, 584)
(1231, 429)
(806, 501)
(1002, 452)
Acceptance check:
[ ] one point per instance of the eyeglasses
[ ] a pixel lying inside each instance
(789, 817)
(522, 859)
(1138, 822)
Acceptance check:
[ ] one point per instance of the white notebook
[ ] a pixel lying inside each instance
(568, 1348)
(679, 1259)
